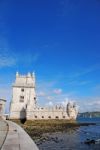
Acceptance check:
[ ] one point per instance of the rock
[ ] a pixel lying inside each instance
(56, 138)
(61, 140)
(97, 141)
(88, 141)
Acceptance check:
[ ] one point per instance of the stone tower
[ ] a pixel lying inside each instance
(24, 96)
(72, 110)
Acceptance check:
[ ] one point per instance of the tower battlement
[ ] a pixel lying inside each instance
(25, 80)
(29, 75)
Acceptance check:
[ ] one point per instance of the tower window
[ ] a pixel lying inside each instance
(21, 98)
(22, 90)
(0, 107)
(34, 98)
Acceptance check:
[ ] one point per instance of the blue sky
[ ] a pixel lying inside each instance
(60, 41)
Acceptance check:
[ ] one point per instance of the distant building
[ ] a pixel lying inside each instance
(2, 107)
(24, 102)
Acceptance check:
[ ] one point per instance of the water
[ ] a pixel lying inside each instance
(89, 120)
(74, 138)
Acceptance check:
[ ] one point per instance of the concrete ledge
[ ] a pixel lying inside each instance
(18, 139)
(3, 131)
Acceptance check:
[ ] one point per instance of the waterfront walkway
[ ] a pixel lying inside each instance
(17, 139)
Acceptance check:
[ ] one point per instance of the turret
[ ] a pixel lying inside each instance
(72, 110)
(17, 74)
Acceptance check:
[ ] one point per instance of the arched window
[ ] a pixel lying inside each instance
(63, 116)
(35, 116)
(42, 116)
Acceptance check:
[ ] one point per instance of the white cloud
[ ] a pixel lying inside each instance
(28, 58)
(64, 103)
(57, 91)
(49, 97)
(41, 93)
(85, 71)
(56, 96)
(50, 103)
(94, 102)
(6, 61)
(89, 104)
(78, 83)
(46, 85)
(7, 57)
(50, 93)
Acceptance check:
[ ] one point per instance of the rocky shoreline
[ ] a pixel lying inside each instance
(36, 129)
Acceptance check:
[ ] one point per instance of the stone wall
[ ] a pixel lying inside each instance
(2, 107)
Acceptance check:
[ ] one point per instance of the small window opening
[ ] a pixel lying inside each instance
(21, 98)
(34, 98)
(49, 117)
(57, 117)
(22, 90)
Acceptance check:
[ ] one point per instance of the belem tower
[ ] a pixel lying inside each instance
(24, 102)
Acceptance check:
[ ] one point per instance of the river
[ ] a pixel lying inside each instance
(73, 139)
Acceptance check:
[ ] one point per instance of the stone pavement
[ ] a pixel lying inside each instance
(18, 139)
(3, 131)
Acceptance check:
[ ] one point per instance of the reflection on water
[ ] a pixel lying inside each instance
(72, 139)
